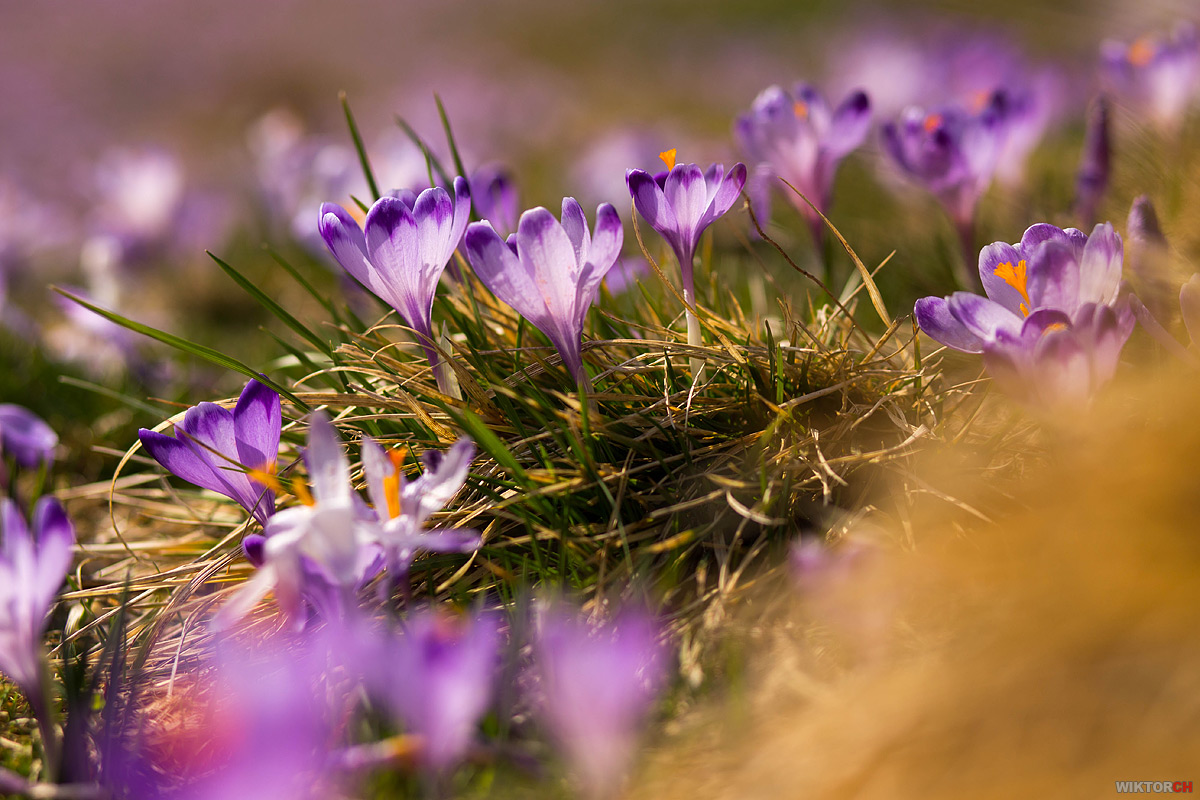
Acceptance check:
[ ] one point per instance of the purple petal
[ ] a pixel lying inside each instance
(652, 204)
(982, 317)
(934, 317)
(575, 224)
(728, 191)
(1053, 277)
(686, 193)
(1044, 232)
(346, 241)
(435, 217)
(1100, 266)
(462, 215)
(328, 469)
(437, 487)
(55, 546)
(1063, 373)
(180, 458)
(393, 244)
(257, 421)
(504, 274)
(549, 257)
(610, 235)
(850, 125)
(26, 436)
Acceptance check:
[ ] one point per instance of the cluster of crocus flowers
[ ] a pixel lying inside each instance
(680, 204)
(550, 271)
(223, 450)
(953, 153)
(800, 138)
(400, 256)
(1159, 75)
(1052, 325)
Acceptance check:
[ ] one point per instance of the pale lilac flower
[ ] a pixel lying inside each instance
(438, 677)
(952, 152)
(682, 203)
(219, 449)
(495, 198)
(327, 544)
(802, 139)
(404, 506)
(597, 685)
(33, 563)
(26, 436)
(1160, 75)
(1051, 328)
(550, 272)
(407, 244)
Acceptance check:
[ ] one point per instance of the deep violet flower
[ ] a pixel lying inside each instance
(1092, 179)
(217, 449)
(597, 684)
(404, 506)
(1051, 328)
(328, 544)
(550, 271)
(438, 677)
(26, 436)
(1159, 75)
(680, 204)
(953, 153)
(803, 139)
(33, 563)
(408, 242)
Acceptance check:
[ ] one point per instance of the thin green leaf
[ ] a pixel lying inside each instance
(458, 162)
(358, 145)
(279, 311)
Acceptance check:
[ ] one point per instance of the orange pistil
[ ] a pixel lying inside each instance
(801, 109)
(1015, 277)
(933, 122)
(668, 157)
(1141, 52)
(300, 490)
(266, 476)
(391, 484)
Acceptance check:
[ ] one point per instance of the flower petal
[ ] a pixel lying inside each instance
(851, 123)
(652, 204)
(1100, 266)
(982, 317)
(934, 317)
(506, 276)
(998, 289)
(328, 468)
(1053, 276)
(346, 241)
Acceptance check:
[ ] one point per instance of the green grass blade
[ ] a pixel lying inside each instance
(458, 162)
(279, 311)
(419, 142)
(358, 145)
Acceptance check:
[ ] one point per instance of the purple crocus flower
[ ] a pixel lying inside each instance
(953, 153)
(408, 242)
(803, 140)
(495, 198)
(1160, 75)
(26, 436)
(680, 204)
(1092, 179)
(219, 449)
(33, 564)
(404, 506)
(1051, 328)
(597, 685)
(438, 678)
(550, 272)
(325, 546)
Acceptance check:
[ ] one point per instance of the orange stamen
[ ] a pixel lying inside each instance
(1014, 277)
(391, 483)
(933, 122)
(1141, 52)
(801, 109)
(266, 476)
(668, 157)
(300, 489)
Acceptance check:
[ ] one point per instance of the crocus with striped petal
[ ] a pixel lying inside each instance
(597, 684)
(550, 271)
(404, 506)
(407, 243)
(802, 139)
(216, 448)
(33, 563)
(1052, 326)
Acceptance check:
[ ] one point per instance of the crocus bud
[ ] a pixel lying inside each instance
(1149, 261)
(1092, 179)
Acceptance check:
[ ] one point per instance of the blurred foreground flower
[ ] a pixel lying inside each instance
(408, 242)
(33, 564)
(1051, 328)
(404, 506)
(438, 677)
(326, 544)
(802, 140)
(597, 687)
(26, 436)
(954, 153)
(1159, 75)
(550, 272)
(218, 449)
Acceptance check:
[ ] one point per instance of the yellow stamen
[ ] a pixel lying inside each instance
(801, 109)
(933, 122)
(1014, 277)
(1054, 326)
(668, 157)
(266, 476)
(300, 489)
(1141, 52)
